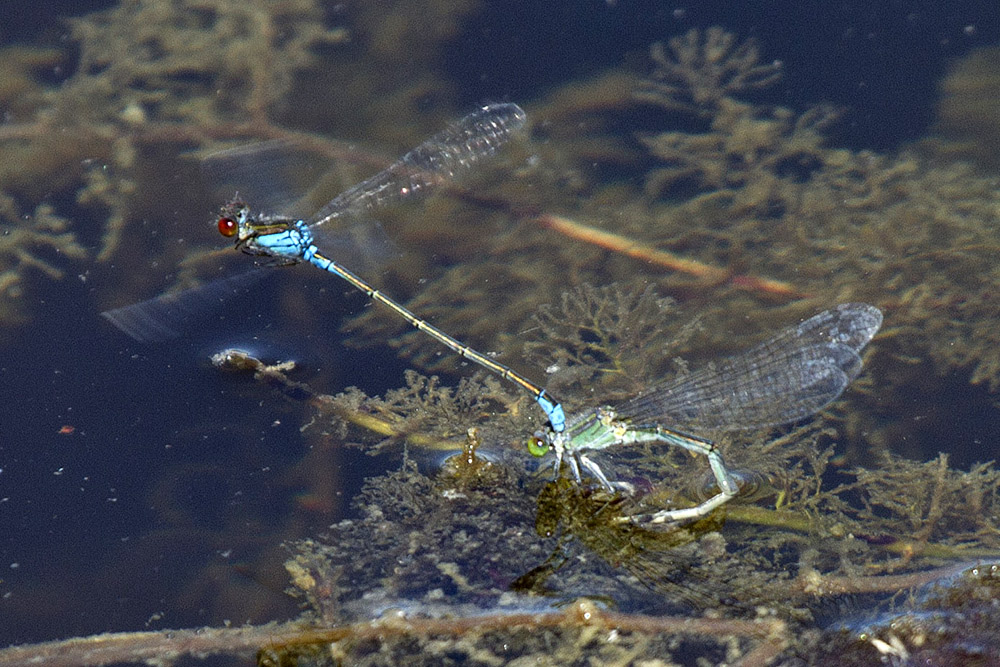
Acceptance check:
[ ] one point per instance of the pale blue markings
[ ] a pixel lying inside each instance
(436, 161)
(285, 240)
(786, 378)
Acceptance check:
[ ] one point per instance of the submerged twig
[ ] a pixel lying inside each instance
(165, 646)
(276, 376)
(710, 274)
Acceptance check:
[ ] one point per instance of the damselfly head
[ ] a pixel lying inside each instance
(232, 217)
(228, 226)
(538, 444)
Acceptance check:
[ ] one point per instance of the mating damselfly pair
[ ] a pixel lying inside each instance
(789, 377)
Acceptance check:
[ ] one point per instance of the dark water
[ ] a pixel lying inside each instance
(141, 488)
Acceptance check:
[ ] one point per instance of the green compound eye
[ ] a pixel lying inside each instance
(537, 446)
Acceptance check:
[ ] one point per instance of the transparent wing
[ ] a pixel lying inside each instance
(786, 378)
(438, 160)
(265, 172)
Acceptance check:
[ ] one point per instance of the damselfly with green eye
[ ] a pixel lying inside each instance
(791, 376)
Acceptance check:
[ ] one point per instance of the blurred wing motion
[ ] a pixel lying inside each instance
(269, 169)
(169, 315)
(274, 175)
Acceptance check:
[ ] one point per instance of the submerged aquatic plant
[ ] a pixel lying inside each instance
(26, 245)
(145, 86)
(435, 551)
(611, 339)
(697, 71)
(439, 559)
(906, 231)
(205, 59)
(742, 188)
(145, 76)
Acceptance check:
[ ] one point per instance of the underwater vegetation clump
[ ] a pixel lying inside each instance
(213, 61)
(26, 246)
(734, 186)
(461, 552)
(472, 560)
(613, 340)
(818, 552)
(968, 112)
(479, 559)
(812, 537)
(146, 76)
(704, 69)
(145, 86)
(909, 233)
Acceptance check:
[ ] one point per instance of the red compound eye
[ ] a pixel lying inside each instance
(228, 227)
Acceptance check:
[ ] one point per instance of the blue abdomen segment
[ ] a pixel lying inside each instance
(554, 411)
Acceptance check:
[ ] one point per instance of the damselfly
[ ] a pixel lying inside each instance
(284, 240)
(791, 376)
